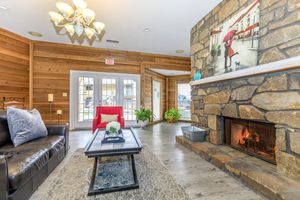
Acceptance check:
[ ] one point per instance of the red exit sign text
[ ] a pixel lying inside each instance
(109, 61)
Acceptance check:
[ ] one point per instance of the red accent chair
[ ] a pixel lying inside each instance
(107, 110)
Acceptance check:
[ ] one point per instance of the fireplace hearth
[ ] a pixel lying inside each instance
(254, 138)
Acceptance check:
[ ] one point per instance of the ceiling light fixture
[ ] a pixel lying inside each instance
(77, 19)
(179, 51)
(3, 7)
(35, 34)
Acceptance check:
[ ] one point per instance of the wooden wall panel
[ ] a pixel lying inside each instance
(172, 89)
(14, 66)
(52, 63)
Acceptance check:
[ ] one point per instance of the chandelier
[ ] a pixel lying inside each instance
(76, 19)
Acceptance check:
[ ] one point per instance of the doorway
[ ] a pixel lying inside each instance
(91, 89)
(156, 100)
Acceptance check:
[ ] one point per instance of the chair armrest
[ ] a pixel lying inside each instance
(60, 130)
(3, 178)
(122, 121)
(95, 122)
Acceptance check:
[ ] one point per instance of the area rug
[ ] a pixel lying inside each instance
(72, 181)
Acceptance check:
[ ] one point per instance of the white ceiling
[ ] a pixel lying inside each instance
(170, 22)
(171, 72)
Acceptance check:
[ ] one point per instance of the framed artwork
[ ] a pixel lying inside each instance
(234, 44)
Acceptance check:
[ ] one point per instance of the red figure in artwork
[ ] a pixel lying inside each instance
(229, 52)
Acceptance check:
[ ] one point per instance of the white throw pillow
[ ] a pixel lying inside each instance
(108, 118)
(25, 125)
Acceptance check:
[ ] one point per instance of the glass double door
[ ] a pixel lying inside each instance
(90, 90)
(122, 91)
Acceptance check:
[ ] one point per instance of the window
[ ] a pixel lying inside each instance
(184, 100)
(86, 98)
(109, 90)
(129, 99)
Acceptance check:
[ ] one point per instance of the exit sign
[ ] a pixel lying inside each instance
(109, 61)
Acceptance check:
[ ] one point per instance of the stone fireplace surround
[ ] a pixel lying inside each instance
(271, 97)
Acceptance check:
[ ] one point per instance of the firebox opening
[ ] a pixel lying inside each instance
(255, 138)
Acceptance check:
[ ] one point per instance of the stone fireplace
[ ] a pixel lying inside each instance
(254, 111)
(254, 138)
(258, 115)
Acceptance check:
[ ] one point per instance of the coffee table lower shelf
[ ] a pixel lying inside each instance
(135, 185)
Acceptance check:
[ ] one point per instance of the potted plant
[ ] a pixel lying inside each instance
(172, 115)
(143, 115)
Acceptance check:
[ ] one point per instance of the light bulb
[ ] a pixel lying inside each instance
(78, 29)
(80, 4)
(56, 17)
(89, 32)
(65, 9)
(99, 26)
(70, 29)
(88, 15)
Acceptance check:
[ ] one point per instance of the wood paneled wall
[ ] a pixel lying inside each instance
(14, 66)
(172, 89)
(33, 69)
(53, 62)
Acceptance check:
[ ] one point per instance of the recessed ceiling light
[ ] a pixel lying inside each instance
(147, 29)
(3, 7)
(35, 34)
(179, 51)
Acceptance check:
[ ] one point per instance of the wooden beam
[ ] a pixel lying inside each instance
(176, 94)
(31, 50)
(44, 54)
(155, 73)
(142, 93)
(155, 65)
(167, 93)
(14, 36)
(162, 86)
(143, 56)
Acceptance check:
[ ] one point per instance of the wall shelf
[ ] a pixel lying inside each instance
(287, 64)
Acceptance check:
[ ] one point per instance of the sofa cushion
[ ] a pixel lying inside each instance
(4, 131)
(25, 125)
(24, 161)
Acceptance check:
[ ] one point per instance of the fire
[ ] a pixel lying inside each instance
(255, 138)
(248, 137)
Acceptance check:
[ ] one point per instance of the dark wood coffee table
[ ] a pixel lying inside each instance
(95, 149)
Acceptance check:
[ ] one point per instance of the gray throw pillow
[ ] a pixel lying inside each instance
(24, 125)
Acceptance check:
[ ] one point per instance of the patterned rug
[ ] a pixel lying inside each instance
(72, 180)
(115, 172)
